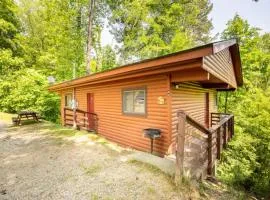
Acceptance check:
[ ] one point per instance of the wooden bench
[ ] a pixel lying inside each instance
(25, 116)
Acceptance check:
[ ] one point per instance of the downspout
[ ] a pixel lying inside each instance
(74, 103)
(226, 101)
(74, 106)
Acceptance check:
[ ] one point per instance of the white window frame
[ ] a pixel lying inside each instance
(66, 103)
(124, 103)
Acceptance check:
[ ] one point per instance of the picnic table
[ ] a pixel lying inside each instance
(25, 115)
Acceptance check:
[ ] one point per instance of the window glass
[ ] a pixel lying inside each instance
(139, 101)
(128, 101)
(134, 101)
(68, 100)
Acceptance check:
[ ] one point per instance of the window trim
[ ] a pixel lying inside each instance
(65, 95)
(145, 101)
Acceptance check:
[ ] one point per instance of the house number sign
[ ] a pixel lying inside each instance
(161, 100)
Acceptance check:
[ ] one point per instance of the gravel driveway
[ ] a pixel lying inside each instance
(38, 162)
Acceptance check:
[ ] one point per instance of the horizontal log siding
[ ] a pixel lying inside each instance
(127, 129)
(191, 99)
(220, 65)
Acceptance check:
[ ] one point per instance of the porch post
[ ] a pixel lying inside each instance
(180, 145)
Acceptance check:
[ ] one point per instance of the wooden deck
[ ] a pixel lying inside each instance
(197, 156)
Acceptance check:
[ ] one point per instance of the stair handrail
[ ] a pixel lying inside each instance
(183, 117)
(77, 118)
(196, 124)
(221, 123)
(80, 111)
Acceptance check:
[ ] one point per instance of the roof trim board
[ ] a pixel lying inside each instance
(179, 58)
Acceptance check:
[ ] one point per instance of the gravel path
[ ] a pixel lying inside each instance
(35, 164)
(3, 125)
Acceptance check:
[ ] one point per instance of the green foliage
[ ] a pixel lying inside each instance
(246, 163)
(10, 49)
(50, 40)
(9, 63)
(108, 60)
(156, 27)
(27, 90)
(9, 27)
(54, 36)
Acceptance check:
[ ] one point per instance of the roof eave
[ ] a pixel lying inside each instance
(236, 59)
(182, 56)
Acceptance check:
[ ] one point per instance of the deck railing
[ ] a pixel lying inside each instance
(84, 120)
(221, 131)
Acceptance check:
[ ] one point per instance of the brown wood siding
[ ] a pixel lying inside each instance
(220, 65)
(191, 99)
(127, 129)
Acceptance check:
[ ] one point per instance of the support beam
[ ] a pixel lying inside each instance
(180, 147)
(216, 85)
(195, 74)
(210, 158)
(218, 143)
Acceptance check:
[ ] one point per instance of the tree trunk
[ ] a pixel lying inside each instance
(89, 38)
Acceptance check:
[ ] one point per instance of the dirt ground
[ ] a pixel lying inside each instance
(46, 161)
(39, 162)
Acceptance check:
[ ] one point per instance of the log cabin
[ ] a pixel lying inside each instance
(159, 93)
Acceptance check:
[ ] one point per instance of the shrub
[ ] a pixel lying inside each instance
(27, 90)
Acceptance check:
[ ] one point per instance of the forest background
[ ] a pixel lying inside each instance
(42, 38)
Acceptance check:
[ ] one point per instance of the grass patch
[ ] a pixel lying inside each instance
(51, 129)
(223, 192)
(94, 197)
(149, 167)
(7, 117)
(92, 169)
(155, 170)
(151, 190)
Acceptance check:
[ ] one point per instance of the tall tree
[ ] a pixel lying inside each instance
(89, 37)
(147, 28)
(247, 160)
(55, 36)
(10, 48)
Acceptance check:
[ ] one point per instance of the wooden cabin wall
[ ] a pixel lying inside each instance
(127, 129)
(221, 66)
(191, 99)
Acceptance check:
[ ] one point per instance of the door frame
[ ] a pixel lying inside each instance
(90, 109)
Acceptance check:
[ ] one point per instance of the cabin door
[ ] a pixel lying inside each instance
(207, 114)
(90, 109)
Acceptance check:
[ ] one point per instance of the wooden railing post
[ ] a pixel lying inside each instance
(218, 143)
(232, 125)
(224, 135)
(210, 158)
(64, 116)
(84, 119)
(230, 128)
(180, 143)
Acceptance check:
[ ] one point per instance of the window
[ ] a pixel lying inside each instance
(134, 101)
(68, 100)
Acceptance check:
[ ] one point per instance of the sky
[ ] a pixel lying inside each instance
(257, 14)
